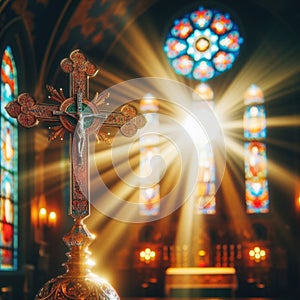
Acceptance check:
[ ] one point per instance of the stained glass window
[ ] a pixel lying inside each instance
(256, 184)
(149, 172)
(205, 199)
(9, 166)
(203, 44)
(255, 122)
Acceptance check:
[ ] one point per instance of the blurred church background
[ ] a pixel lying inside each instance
(239, 232)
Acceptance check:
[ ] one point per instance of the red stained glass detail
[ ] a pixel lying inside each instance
(6, 60)
(231, 41)
(201, 18)
(6, 257)
(203, 71)
(174, 47)
(257, 160)
(183, 65)
(182, 29)
(221, 24)
(223, 61)
(7, 234)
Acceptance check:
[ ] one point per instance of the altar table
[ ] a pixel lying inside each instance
(200, 282)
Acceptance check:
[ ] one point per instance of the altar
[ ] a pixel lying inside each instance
(200, 282)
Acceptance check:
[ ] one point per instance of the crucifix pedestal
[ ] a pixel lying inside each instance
(79, 117)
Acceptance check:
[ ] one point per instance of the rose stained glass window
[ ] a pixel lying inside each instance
(203, 44)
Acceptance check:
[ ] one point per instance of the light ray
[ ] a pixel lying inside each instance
(276, 74)
(283, 121)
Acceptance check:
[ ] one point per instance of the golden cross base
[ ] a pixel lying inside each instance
(78, 282)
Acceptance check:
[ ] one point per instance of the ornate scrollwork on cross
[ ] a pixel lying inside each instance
(79, 117)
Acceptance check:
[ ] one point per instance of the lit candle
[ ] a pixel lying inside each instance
(42, 216)
(52, 219)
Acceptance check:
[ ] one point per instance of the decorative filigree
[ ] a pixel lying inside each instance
(78, 282)
(28, 112)
(85, 288)
(55, 95)
(81, 118)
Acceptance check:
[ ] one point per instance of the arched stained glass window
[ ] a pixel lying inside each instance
(150, 175)
(9, 166)
(205, 199)
(203, 44)
(256, 184)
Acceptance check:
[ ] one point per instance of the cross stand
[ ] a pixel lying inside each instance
(79, 117)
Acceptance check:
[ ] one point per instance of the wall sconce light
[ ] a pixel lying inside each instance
(45, 219)
(297, 203)
(257, 254)
(147, 255)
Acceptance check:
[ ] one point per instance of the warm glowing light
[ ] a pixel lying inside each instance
(9, 151)
(254, 111)
(8, 211)
(7, 190)
(46, 219)
(91, 262)
(297, 204)
(201, 252)
(275, 79)
(147, 255)
(52, 218)
(257, 254)
(195, 130)
(202, 44)
(204, 91)
(42, 216)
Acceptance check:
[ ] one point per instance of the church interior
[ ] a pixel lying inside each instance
(199, 199)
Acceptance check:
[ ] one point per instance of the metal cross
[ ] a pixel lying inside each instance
(80, 117)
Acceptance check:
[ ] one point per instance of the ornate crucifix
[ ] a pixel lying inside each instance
(80, 117)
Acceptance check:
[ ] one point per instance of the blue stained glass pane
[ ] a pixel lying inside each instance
(174, 47)
(9, 166)
(255, 122)
(223, 61)
(150, 201)
(9, 146)
(182, 28)
(203, 71)
(221, 23)
(201, 18)
(7, 184)
(183, 65)
(255, 160)
(230, 41)
(257, 196)
(15, 262)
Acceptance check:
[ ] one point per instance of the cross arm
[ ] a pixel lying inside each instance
(28, 113)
